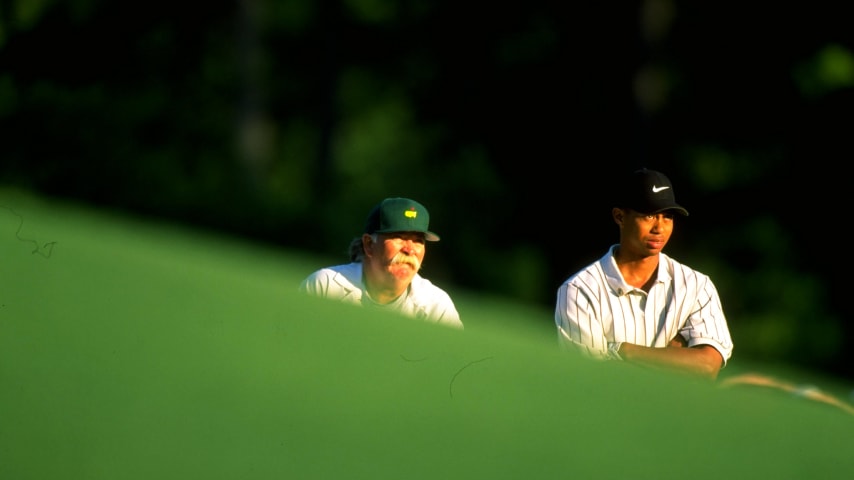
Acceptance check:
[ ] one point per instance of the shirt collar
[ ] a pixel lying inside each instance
(615, 279)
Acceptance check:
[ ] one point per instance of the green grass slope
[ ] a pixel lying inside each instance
(138, 351)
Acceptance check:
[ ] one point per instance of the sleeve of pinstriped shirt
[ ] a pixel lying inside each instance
(706, 323)
(578, 311)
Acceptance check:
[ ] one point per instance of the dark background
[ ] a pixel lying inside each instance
(285, 121)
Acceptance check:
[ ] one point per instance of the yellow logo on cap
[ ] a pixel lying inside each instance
(411, 213)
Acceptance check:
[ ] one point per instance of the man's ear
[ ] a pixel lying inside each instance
(618, 214)
(367, 242)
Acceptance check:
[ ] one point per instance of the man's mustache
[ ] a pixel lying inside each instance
(411, 260)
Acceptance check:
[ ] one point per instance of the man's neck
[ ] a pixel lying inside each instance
(383, 292)
(637, 271)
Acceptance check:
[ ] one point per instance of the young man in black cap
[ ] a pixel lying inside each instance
(638, 305)
(385, 261)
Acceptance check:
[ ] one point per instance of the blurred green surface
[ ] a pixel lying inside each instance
(135, 350)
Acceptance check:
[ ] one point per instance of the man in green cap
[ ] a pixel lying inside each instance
(385, 261)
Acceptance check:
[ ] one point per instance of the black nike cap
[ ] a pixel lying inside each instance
(648, 191)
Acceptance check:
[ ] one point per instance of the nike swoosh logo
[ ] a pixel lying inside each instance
(658, 189)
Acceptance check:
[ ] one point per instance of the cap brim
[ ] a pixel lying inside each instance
(678, 210)
(429, 236)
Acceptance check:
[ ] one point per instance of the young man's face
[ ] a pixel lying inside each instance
(644, 234)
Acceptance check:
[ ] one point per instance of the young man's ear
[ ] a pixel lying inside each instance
(618, 214)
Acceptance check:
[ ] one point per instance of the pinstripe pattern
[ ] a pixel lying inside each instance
(595, 307)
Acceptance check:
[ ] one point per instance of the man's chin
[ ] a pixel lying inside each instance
(403, 270)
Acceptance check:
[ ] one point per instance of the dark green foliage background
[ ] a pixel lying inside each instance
(283, 122)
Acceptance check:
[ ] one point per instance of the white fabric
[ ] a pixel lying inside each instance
(422, 300)
(596, 308)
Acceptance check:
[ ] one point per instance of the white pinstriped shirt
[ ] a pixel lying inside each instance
(596, 309)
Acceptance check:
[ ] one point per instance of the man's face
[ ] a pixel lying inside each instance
(645, 234)
(400, 254)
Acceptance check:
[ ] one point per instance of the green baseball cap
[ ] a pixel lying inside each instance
(400, 215)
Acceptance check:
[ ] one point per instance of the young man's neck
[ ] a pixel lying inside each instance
(638, 271)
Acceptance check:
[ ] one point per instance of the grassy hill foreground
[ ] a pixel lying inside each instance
(137, 350)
